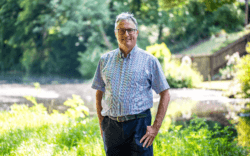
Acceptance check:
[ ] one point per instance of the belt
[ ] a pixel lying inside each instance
(127, 117)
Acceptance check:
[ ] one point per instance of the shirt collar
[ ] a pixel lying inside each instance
(130, 55)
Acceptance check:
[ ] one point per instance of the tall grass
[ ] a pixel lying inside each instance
(32, 131)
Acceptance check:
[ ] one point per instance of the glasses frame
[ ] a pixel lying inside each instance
(126, 30)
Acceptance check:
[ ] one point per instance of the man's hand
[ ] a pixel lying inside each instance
(149, 136)
(152, 131)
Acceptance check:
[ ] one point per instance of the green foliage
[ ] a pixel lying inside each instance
(169, 4)
(38, 36)
(192, 22)
(160, 51)
(25, 132)
(89, 61)
(243, 128)
(213, 5)
(214, 30)
(181, 76)
(229, 17)
(178, 75)
(29, 56)
(243, 75)
(248, 47)
(10, 52)
(77, 108)
(51, 33)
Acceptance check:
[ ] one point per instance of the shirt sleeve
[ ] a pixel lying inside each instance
(159, 82)
(98, 82)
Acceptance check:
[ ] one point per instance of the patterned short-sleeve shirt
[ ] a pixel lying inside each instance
(127, 82)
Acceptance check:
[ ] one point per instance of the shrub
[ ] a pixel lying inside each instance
(181, 75)
(243, 75)
(77, 107)
(160, 51)
(178, 75)
(230, 70)
(243, 128)
(229, 17)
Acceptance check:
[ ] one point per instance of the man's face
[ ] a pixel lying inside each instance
(127, 40)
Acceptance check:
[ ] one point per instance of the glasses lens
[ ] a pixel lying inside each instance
(123, 31)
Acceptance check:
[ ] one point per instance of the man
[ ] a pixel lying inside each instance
(127, 76)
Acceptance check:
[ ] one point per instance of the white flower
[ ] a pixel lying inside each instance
(143, 28)
(77, 44)
(186, 60)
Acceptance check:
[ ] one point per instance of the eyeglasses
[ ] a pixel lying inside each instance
(123, 31)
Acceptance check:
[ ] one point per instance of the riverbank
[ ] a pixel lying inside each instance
(206, 103)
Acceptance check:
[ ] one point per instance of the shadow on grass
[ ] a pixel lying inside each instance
(211, 126)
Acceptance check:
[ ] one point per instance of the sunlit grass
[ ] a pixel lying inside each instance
(33, 132)
(208, 46)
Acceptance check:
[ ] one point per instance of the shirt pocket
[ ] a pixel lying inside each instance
(140, 79)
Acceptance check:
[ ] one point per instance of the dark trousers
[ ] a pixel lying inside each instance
(123, 138)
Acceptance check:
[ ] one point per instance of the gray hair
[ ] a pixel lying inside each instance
(125, 16)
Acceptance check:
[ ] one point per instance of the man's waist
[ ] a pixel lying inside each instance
(130, 117)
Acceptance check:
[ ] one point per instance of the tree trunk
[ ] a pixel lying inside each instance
(246, 12)
(160, 33)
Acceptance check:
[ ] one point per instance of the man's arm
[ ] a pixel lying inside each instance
(99, 107)
(162, 109)
(152, 131)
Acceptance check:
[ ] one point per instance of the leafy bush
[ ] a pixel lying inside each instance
(229, 17)
(229, 71)
(160, 51)
(243, 75)
(77, 107)
(193, 22)
(243, 128)
(180, 75)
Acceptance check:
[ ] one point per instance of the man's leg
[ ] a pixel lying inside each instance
(136, 147)
(115, 141)
(123, 138)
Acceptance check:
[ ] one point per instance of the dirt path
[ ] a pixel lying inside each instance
(53, 96)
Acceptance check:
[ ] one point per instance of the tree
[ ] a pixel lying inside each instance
(246, 12)
(46, 36)
(211, 5)
(9, 49)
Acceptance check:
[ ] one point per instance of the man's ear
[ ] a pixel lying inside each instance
(137, 32)
(115, 34)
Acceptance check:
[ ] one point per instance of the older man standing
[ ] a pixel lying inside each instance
(127, 76)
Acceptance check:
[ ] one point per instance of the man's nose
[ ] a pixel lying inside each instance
(126, 33)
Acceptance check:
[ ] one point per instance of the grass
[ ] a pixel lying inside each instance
(33, 132)
(214, 44)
